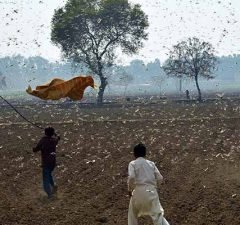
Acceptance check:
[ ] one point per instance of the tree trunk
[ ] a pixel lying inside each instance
(103, 82)
(125, 90)
(101, 89)
(180, 85)
(160, 89)
(198, 88)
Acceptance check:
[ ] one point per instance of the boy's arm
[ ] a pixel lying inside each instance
(57, 138)
(131, 178)
(38, 146)
(158, 176)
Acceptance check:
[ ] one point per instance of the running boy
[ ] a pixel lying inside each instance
(143, 178)
(47, 146)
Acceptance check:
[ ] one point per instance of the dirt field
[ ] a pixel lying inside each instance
(195, 146)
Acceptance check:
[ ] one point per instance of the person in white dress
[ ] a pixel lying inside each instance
(143, 180)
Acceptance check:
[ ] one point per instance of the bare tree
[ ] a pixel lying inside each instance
(192, 58)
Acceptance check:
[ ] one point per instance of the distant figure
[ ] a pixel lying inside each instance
(47, 146)
(187, 94)
(143, 178)
(3, 82)
(128, 99)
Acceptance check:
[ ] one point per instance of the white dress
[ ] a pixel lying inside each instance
(142, 181)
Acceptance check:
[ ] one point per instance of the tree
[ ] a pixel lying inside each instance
(125, 79)
(159, 80)
(90, 31)
(192, 58)
(2, 81)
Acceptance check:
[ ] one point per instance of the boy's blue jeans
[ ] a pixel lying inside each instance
(48, 182)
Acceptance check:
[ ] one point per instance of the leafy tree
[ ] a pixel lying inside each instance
(156, 74)
(90, 31)
(192, 58)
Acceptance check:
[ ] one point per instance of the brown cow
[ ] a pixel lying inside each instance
(58, 88)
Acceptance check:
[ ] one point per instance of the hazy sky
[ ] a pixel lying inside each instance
(25, 26)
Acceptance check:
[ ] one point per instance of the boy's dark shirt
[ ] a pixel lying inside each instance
(47, 146)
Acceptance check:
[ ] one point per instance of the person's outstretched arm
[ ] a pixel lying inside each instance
(38, 146)
(57, 138)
